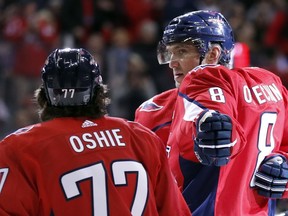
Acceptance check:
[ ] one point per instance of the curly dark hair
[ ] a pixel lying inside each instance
(96, 109)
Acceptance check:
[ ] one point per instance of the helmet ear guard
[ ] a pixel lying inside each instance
(69, 77)
(202, 28)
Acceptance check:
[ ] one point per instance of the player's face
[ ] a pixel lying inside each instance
(184, 57)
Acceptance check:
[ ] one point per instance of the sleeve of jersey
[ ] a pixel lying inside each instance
(170, 201)
(213, 88)
(168, 198)
(284, 143)
(17, 197)
(156, 113)
(144, 117)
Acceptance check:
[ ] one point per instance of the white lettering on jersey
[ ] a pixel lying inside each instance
(101, 139)
(247, 94)
(262, 93)
(3, 176)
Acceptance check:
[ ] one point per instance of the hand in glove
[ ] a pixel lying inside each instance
(272, 176)
(212, 144)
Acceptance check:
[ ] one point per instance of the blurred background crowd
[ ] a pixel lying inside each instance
(123, 36)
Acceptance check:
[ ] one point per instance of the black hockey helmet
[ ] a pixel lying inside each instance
(69, 77)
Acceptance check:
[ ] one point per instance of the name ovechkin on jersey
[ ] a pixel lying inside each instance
(262, 92)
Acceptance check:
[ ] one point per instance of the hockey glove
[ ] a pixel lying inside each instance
(212, 144)
(272, 176)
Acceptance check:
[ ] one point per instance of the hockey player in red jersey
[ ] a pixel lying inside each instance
(229, 134)
(79, 161)
(156, 113)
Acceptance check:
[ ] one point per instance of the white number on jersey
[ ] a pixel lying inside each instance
(97, 174)
(216, 94)
(3, 176)
(266, 142)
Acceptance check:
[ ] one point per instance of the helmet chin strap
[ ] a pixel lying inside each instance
(200, 60)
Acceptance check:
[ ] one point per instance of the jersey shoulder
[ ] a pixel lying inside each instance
(19, 134)
(258, 72)
(206, 76)
(132, 127)
(159, 101)
(158, 111)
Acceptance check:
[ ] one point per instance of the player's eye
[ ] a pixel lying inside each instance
(181, 53)
(178, 53)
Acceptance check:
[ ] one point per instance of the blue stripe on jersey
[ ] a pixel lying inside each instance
(191, 100)
(200, 186)
(161, 126)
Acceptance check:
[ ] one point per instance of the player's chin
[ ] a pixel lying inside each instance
(178, 81)
(177, 84)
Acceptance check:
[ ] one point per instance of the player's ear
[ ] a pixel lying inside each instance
(213, 55)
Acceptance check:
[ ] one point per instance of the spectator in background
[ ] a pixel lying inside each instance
(277, 34)
(173, 8)
(139, 86)
(10, 16)
(138, 12)
(79, 18)
(47, 27)
(276, 39)
(145, 45)
(97, 45)
(259, 15)
(118, 55)
(32, 33)
(4, 118)
(240, 56)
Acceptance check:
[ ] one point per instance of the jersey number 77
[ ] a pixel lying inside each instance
(97, 174)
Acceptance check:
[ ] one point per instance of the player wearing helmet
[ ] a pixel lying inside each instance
(79, 161)
(181, 39)
(228, 140)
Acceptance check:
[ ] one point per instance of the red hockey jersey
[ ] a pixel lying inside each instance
(256, 101)
(74, 166)
(156, 113)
